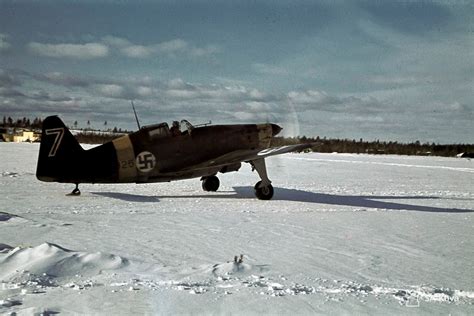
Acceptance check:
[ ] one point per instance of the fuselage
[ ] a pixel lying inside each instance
(153, 154)
(174, 157)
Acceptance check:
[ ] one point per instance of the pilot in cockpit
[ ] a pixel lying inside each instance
(175, 129)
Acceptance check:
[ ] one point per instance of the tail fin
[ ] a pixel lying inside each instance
(59, 150)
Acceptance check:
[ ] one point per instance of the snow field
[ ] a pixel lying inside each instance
(344, 234)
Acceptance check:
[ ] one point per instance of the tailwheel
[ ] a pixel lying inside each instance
(263, 192)
(76, 191)
(210, 183)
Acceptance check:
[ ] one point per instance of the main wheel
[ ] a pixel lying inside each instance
(210, 183)
(263, 193)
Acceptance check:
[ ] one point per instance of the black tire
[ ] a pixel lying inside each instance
(210, 184)
(75, 192)
(264, 193)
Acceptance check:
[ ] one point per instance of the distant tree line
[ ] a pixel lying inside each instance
(329, 145)
(22, 122)
(96, 137)
(37, 123)
(325, 145)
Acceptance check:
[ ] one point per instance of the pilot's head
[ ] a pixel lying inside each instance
(175, 124)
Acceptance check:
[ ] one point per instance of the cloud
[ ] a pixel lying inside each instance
(119, 45)
(145, 92)
(439, 58)
(4, 45)
(123, 88)
(116, 41)
(137, 51)
(391, 80)
(10, 92)
(179, 89)
(178, 83)
(111, 90)
(171, 48)
(243, 116)
(58, 78)
(458, 107)
(313, 99)
(125, 91)
(181, 47)
(42, 95)
(413, 17)
(269, 69)
(119, 91)
(74, 51)
(204, 51)
(9, 78)
(36, 101)
(127, 48)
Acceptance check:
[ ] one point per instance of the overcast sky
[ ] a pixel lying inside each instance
(389, 70)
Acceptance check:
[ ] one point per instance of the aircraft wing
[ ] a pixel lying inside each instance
(272, 151)
(249, 155)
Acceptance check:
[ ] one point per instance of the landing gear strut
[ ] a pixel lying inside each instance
(263, 189)
(76, 191)
(210, 184)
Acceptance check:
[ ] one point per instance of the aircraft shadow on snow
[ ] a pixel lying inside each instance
(283, 194)
(128, 197)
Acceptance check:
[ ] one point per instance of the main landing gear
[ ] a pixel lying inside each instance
(263, 189)
(76, 191)
(210, 184)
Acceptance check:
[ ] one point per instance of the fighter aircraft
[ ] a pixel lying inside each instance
(157, 153)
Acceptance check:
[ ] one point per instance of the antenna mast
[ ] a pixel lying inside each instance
(135, 112)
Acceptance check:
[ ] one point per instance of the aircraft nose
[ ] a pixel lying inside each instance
(275, 129)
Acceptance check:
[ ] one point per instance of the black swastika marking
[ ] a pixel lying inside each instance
(145, 161)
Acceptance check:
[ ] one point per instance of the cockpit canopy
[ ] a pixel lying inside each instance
(163, 130)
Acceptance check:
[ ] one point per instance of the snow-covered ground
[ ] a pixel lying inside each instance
(344, 234)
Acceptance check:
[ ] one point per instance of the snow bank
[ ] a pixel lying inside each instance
(54, 261)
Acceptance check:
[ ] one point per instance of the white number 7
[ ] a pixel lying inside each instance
(59, 132)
